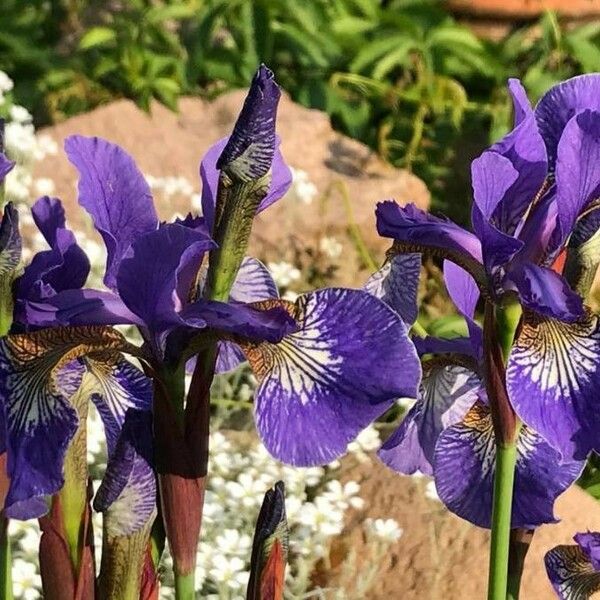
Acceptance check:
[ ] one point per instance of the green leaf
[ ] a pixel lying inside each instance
(450, 326)
(97, 36)
(371, 52)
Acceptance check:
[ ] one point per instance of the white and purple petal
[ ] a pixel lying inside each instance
(397, 284)
(465, 463)
(572, 573)
(553, 378)
(113, 190)
(446, 395)
(321, 385)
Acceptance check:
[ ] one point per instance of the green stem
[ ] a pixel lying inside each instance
(506, 459)
(418, 329)
(6, 592)
(184, 586)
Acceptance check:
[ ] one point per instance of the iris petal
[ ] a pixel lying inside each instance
(317, 386)
(464, 472)
(571, 573)
(553, 379)
(397, 284)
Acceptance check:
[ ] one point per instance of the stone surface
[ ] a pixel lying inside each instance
(169, 144)
(439, 556)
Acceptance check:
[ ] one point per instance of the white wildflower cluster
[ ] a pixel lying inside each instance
(331, 247)
(23, 146)
(386, 530)
(284, 273)
(302, 187)
(167, 189)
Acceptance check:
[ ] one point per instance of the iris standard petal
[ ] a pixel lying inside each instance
(415, 230)
(446, 395)
(464, 472)
(577, 169)
(559, 105)
(113, 190)
(281, 180)
(546, 292)
(147, 276)
(397, 284)
(553, 378)
(317, 387)
(521, 105)
(571, 572)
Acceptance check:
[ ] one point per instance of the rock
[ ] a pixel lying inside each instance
(439, 555)
(168, 144)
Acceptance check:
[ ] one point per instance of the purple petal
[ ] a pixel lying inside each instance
(6, 166)
(230, 357)
(560, 103)
(552, 378)
(577, 168)
(521, 105)
(546, 292)
(446, 396)
(253, 283)
(317, 390)
(246, 321)
(115, 193)
(464, 472)
(458, 345)
(118, 387)
(462, 289)
(281, 180)
(415, 230)
(249, 151)
(397, 284)
(589, 542)
(127, 494)
(148, 274)
(80, 307)
(40, 423)
(571, 573)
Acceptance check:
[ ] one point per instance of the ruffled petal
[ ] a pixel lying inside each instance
(546, 292)
(447, 394)
(553, 379)
(571, 573)
(464, 472)
(113, 190)
(560, 103)
(397, 284)
(415, 230)
(317, 386)
(281, 180)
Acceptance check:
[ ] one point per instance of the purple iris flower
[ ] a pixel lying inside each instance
(535, 196)
(448, 432)
(574, 570)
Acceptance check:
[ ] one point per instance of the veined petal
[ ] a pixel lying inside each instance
(10, 241)
(571, 572)
(36, 388)
(577, 168)
(397, 284)
(552, 378)
(317, 386)
(546, 292)
(415, 230)
(590, 544)
(464, 472)
(446, 395)
(559, 105)
(281, 180)
(113, 190)
(147, 277)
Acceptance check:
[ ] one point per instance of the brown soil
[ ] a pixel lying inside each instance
(169, 144)
(439, 556)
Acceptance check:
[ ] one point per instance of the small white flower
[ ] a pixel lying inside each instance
(283, 273)
(304, 189)
(290, 296)
(386, 530)
(431, 491)
(224, 570)
(26, 580)
(331, 247)
(44, 186)
(19, 114)
(6, 83)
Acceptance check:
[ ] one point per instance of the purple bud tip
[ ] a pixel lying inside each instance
(249, 152)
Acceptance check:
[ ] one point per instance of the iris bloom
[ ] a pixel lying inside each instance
(535, 197)
(574, 570)
(448, 432)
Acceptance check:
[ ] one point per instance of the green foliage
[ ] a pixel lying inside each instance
(401, 75)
